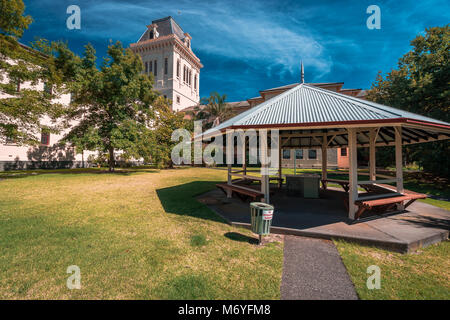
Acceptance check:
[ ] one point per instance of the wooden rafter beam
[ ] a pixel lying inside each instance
(427, 133)
(383, 138)
(391, 134)
(411, 131)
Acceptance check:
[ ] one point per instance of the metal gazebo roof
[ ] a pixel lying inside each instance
(307, 109)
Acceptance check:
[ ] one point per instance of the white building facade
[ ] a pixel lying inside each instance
(166, 52)
(50, 152)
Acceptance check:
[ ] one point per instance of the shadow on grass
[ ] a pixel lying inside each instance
(241, 237)
(121, 172)
(180, 200)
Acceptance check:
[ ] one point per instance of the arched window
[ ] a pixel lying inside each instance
(195, 82)
(178, 68)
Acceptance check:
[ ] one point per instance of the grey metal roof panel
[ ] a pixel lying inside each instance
(309, 104)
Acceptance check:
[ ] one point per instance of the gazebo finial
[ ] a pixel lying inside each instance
(303, 72)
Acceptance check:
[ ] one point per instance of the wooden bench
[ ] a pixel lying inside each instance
(242, 192)
(379, 188)
(248, 181)
(343, 183)
(387, 203)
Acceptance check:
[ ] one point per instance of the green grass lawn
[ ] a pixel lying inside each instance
(136, 234)
(421, 275)
(140, 234)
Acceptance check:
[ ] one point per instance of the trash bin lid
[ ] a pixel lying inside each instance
(261, 205)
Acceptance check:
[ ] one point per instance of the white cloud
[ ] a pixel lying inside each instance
(246, 31)
(250, 32)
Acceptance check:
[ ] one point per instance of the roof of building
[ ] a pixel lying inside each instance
(306, 105)
(236, 104)
(289, 86)
(165, 26)
(255, 98)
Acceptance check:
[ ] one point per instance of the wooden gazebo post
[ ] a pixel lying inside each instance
(372, 158)
(244, 157)
(353, 173)
(229, 162)
(265, 186)
(324, 157)
(280, 176)
(399, 163)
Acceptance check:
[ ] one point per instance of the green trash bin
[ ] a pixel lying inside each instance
(261, 214)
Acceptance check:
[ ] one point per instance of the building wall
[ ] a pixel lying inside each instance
(187, 93)
(53, 155)
(170, 85)
(332, 159)
(343, 160)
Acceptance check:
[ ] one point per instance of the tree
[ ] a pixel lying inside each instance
(156, 145)
(215, 110)
(23, 106)
(112, 104)
(12, 21)
(420, 84)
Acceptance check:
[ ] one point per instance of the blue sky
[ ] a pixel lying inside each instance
(247, 46)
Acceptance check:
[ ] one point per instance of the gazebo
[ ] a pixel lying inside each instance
(311, 117)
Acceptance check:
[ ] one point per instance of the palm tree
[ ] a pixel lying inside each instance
(215, 110)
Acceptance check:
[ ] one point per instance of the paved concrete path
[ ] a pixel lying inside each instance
(313, 269)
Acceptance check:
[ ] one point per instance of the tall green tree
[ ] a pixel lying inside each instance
(156, 144)
(111, 105)
(23, 70)
(421, 84)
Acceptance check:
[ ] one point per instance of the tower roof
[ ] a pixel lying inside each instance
(165, 26)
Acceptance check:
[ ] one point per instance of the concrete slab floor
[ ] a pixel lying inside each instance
(326, 218)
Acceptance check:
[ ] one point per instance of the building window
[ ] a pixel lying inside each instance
(155, 68)
(166, 66)
(184, 73)
(178, 68)
(286, 154)
(312, 154)
(146, 67)
(45, 138)
(178, 99)
(195, 82)
(299, 154)
(343, 152)
(151, 35)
